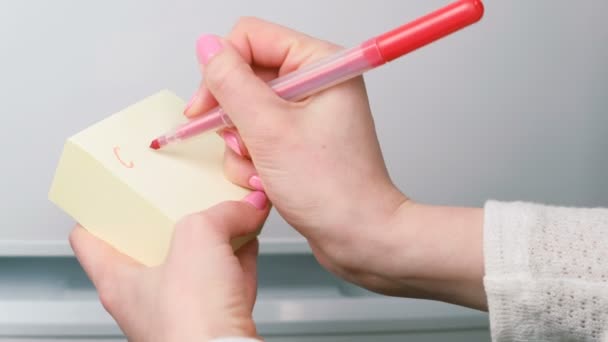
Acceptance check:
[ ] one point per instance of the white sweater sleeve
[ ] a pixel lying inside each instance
(546, 272)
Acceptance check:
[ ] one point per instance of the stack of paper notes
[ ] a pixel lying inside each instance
(123, 192)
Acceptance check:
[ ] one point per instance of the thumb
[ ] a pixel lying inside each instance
(219, 225)
(250, 103)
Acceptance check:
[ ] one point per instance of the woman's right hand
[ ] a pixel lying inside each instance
(318, 160)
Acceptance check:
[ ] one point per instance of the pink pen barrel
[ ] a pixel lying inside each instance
(347, 64)
(377, 51)
(293, 86)
(327, 72)
(214, 119)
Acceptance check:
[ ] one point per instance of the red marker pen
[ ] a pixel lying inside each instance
(347, 64)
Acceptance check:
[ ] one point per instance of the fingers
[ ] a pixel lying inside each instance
(241, 171)
(106, 267)
(234, 142)
(272, 50)
(238, 167)
(274, 46)
(248, 255)
(99, 260)
(203, 101)
(251, 104)
(198, 233)
(229, 220)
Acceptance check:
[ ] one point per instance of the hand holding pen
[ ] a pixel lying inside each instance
(347, 64)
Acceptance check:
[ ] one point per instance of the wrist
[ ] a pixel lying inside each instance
(235, 339)
(214, 331)
(438, 253)
(239, 328)
(360, 256)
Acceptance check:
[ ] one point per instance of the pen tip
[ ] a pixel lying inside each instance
(155, 145)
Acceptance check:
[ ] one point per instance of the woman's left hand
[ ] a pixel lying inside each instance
(204, 290)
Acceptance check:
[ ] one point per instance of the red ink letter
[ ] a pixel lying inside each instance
(128, 165)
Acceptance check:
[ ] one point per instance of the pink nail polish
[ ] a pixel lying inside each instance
(256, 182)
(232, 142)
(207, 46)
(194, 97)
(257, 199)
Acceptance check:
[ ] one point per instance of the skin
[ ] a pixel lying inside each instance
(319, 162)
(203, 290)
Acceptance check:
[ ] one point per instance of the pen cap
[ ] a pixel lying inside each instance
(429, 28)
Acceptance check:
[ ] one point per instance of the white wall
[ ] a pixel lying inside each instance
(512, 108)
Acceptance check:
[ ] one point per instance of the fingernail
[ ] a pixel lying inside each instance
(194, 97)
(232, 142)
(207, 46)
(256, 182)
(257, 199)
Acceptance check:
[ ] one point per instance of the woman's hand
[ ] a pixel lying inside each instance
(320, 163)
(203, 290)
(318, 160)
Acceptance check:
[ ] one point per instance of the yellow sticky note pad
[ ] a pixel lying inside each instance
(111, 182)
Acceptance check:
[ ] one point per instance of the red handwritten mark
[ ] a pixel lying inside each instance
(128, 165)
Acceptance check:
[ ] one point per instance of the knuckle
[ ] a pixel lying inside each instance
(192, 229)
(245, 22)
(108, 297)
(196, 226)
(223, 75)
(72, 237)
(190, 223)
(75, 235)
(191, 220)
(215, 74)
(328, 48)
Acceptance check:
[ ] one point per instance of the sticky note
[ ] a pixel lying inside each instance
(123, 192)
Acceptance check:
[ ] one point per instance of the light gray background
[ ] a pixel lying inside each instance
(512, 108)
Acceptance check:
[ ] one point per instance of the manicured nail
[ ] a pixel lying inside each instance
(232, 142)
(207, 46)
(256, 182)
(194, 97)
(257, 199)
